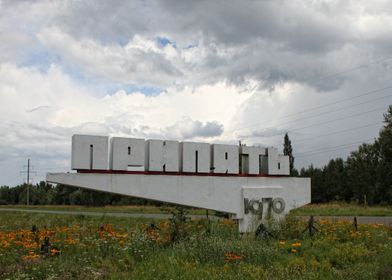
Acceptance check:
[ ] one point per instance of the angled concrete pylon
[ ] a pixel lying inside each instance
(250, 199)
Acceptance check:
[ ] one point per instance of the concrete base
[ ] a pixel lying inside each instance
(250, 199)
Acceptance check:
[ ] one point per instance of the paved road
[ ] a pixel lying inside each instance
(386, 220)
(108, 214)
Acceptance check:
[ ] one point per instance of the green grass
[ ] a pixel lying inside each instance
(123, 248)
(145, 209)
(327, 209)
(342, 209)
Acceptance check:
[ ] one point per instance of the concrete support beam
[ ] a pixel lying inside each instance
(231, 194)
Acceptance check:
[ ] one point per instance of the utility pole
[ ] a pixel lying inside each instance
(28, 180)
(28, 172)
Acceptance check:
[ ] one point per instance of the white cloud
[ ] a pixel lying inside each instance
(40, 111)
(141, 61)
(231, 70)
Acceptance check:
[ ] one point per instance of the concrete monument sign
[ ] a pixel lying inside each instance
(252, 183)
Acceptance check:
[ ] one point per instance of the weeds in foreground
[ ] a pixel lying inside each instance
(119, 248)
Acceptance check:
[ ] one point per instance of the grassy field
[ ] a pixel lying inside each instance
(342, 209)
(327, 209)
(145, 209)
(121, 248)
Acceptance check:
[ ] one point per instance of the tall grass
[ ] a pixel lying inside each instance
(121, 248)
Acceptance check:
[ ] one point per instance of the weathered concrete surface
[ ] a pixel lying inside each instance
(219, 193)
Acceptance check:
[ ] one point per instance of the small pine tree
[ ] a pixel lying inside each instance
(288, 151)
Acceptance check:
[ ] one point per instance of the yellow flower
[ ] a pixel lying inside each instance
(282, 242)
(70, 241)
(30, 257)
(294, 251)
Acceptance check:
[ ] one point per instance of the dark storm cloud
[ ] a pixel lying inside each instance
(105, 20)
(290, 23)
(269, 41)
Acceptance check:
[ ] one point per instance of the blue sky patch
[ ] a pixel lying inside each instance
(39, 59)
(162, 42)
(129, 89)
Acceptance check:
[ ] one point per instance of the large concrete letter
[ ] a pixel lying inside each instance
(127, 152)
(225, 159)
(89, 152)
(251, 159)
(277, 164)
(196, 157)
(163, 156)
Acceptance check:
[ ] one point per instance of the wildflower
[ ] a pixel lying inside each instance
(227, 222)
(298, 244)
(70, 241)
(282, 242)
(30, 257)
(54, 252)
(5, 243)
(294, 251)
(230, 256)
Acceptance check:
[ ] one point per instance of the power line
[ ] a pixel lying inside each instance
(349, 69)
(330, 149)
(339, 119)
(326, 122)
(315, 108)
(337, 110)
(336, 132)
(305, 154)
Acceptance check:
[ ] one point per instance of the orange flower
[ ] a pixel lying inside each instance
(230, 256)
(30, 257)
(54, 252)
(70, 241)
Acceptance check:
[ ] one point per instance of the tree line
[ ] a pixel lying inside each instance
(45, 193)
(364, 177)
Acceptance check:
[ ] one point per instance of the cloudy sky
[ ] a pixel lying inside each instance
(212, 71)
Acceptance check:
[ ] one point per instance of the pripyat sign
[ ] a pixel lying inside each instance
(249, 182)
(95, 153)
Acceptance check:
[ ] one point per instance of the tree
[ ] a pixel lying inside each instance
(317, 183)
(362, 174)
(384, 144)
(288, 151)
(335, 181)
